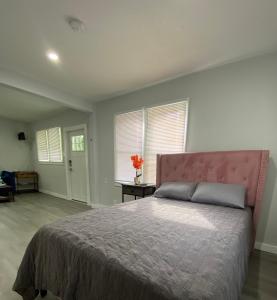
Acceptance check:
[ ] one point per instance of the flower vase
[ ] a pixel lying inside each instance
(137, 178)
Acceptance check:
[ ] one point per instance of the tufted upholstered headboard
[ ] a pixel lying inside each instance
(247, 167)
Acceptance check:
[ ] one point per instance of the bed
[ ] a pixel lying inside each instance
(154, 248)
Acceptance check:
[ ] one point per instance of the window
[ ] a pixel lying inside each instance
(166, 128)
(49, 145)
(128, 140)
(78, 143)
(148, 132)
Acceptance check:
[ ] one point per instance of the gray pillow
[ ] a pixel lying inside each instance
(176, 190)
(232, 195)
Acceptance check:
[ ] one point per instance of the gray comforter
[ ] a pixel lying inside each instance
(145, 249)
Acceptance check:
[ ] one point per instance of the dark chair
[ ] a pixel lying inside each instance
(9, 179)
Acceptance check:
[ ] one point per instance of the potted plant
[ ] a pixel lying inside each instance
(137, 164)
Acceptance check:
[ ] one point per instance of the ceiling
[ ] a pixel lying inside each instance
(130, 44)
(22, 106)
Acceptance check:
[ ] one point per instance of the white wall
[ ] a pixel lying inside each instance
(52, 177)
(231, 107)
(14, 154)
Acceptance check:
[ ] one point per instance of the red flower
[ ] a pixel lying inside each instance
(137, 161)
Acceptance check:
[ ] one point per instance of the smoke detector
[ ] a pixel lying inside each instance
(75, 24)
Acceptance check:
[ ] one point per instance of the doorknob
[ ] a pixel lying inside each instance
(70, 162)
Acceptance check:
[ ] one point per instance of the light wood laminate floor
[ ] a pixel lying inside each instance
(20, 220)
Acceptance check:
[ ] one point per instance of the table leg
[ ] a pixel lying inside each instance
(11, 196)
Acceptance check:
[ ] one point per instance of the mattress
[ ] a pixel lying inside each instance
(145, 249)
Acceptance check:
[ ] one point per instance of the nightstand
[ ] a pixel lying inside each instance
(141, 190)
(26, 182)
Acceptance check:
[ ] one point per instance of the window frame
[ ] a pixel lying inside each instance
(144, 108)
(83, 144)
(49, 162)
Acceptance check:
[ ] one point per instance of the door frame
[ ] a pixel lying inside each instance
(66, 130)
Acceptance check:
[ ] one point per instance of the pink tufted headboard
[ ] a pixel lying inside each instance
(247, 167)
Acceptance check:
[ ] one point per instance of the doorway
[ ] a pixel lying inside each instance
(76, 160)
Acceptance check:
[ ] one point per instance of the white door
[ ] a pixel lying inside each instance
(77, 151)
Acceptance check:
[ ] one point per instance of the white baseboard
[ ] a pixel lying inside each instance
(98, 205)
(53, 194)
(266, 247)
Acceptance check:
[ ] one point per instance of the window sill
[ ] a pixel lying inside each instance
(50, 163)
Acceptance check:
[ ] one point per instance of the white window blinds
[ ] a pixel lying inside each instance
(42, 146)
(49, 145)
(148, 132)
(165, 134)
(128, 141)
(55, 144)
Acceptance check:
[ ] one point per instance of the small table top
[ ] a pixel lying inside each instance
(133, 184)
(26, 174)
(138, 190)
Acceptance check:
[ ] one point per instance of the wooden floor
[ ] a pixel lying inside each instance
(261, 282)
(21, 219)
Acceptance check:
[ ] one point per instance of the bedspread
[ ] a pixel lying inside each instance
(145, 249)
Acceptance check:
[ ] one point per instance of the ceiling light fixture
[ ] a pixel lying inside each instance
(75, 24)
(53, 56)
